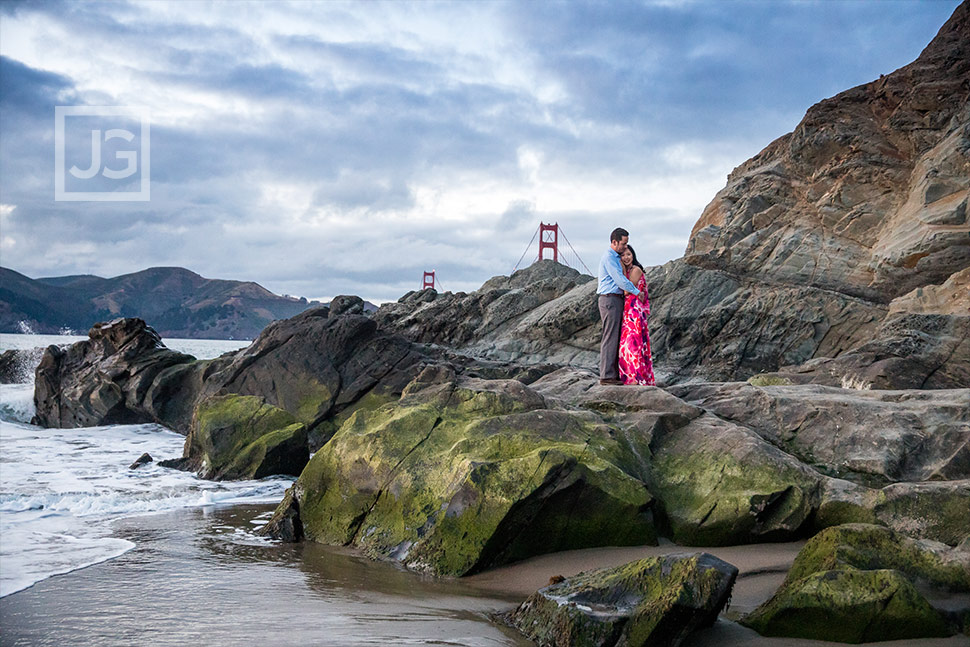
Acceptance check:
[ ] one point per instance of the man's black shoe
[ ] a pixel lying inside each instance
(611, 382)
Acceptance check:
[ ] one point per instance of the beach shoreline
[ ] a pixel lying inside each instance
(200, 575)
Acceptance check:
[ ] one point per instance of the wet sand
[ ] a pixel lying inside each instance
(761, 570)
(198, 577)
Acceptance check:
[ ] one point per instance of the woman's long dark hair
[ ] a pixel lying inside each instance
(635, 261)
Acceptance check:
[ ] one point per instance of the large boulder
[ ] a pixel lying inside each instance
(720, 484)
(858, 583)
(104, 379)
(716, 482)
(869, 547)
(935, 510)
(850, 606)
(657, 601)
(321, 368)
(463, 474)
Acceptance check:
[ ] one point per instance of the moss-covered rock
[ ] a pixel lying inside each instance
(654, 601)
(869, 547)
(721, 484)
(462, 475)
(242, 437)
(849, 605)
(935, 510)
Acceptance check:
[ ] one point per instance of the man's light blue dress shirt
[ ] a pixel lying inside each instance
(612, 280)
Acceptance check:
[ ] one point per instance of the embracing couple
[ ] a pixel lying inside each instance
(625, 349)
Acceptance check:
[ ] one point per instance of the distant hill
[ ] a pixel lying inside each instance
(173, 300)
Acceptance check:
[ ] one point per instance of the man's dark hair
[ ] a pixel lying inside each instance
(618, 234)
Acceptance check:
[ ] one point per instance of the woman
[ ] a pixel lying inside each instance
(636, 365)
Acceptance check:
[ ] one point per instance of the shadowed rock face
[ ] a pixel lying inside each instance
(107, 378)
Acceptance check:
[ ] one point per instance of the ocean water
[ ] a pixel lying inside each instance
(62, 489)
(94, 553)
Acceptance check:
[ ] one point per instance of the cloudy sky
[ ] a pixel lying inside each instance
(324, 148)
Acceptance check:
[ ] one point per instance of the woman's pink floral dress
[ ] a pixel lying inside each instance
(636, 365)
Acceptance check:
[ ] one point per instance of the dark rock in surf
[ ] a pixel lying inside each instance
(144, 459)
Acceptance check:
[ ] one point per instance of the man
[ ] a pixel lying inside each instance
(612, 283)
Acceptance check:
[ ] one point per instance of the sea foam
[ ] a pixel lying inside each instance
(61, 489)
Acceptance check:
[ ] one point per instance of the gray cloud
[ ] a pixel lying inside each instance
(348, 158)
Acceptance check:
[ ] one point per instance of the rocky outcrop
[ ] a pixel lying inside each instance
(872, 437)
(321, 366)
(499, 320)
(868, 547)
(850, 606)
(109, 379)
(652, 602)
(858, 583)
(314, 369)
(841, 252)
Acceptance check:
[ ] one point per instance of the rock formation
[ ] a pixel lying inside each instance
(651, 602)
(841, 252)
(306, 374)
(860, 583)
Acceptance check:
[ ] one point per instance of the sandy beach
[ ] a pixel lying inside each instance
(199, 576)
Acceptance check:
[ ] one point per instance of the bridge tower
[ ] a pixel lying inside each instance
(549, 239)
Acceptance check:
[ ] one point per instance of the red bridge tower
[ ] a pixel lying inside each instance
(549, 239)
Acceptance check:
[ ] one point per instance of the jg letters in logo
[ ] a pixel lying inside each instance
(101, 153)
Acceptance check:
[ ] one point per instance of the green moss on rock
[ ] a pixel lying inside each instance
(769, 380)
(325, 430)
(869, 547)
(242, 437)
(932, 510)
(720, 484)
(654, 601)
(849, 606)
(456, 478)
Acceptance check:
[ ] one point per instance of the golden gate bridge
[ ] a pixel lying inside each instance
(548, 236)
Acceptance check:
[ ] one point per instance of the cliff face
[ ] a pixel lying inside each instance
(868, 196)
(839, 253)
